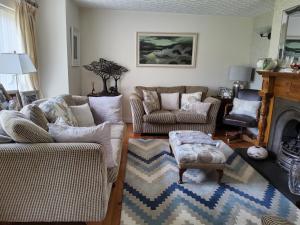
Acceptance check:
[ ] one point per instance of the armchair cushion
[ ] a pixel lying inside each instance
(240, 120)
(163, 117)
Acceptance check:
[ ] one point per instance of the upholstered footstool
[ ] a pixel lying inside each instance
(196, 150)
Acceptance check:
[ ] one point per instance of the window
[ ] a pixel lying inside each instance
(10, 41)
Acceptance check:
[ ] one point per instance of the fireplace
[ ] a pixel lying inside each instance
(284, 138)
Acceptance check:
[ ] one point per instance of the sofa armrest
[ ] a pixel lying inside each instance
(53, 182)
(137, 111)
(214, 109)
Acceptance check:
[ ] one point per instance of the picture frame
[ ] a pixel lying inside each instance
(16, 98)
(27, 97)
(225, 92)
(75, 45)
(157, 49)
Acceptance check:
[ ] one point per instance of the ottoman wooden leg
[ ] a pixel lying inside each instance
(181, 171)
(220, 173)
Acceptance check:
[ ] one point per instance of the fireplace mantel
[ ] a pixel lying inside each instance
(275, 84)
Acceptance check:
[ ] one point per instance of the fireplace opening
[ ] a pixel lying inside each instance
(290, 144)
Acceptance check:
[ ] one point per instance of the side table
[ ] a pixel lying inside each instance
(224, 102)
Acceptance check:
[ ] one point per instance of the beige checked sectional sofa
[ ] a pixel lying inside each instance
(52, 182)
(162, 122)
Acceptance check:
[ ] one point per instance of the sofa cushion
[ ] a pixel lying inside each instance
(97, 134)
(21, 129)
(106, 109)
(162, 117)
(112, 173)
(180, 89)
(117, 130)
(36, 115)
(139, 90)
(193, 89)
(190, 117)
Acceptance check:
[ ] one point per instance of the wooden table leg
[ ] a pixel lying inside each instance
(181, 171)
(220, 175)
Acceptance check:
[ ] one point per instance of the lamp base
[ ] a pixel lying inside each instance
(236, 88)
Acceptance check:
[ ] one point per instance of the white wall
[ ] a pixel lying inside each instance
(223, 41)
(72, 14)
(260, 46)
(9, 3)
(52, 47)
(280, 5)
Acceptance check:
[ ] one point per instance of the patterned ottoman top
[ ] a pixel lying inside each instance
(197, 147)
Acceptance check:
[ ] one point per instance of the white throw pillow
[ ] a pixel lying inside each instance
(83, 115)
(169, 101)
(198, 107)
(100, 134)
(106, 109)
(187, 98)
(245, 107)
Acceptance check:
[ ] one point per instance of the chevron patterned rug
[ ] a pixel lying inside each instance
(152, 195)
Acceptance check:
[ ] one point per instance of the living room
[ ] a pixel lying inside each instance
(149, 112)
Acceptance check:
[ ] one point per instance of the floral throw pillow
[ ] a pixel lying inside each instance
(188, 98)
(56, 108)
(151, 101)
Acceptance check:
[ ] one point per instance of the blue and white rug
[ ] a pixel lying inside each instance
(152, 195)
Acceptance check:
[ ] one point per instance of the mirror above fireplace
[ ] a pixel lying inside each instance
(289, 45)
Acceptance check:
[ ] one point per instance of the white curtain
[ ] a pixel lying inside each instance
(10, 41)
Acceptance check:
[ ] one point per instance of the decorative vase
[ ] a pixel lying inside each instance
(294, 177)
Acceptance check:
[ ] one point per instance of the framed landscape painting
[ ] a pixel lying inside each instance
(166, 49)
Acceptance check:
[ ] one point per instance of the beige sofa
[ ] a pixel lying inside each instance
(162, 122)
(57, 181)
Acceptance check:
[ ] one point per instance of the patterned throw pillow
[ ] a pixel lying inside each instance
(198, 107)
(57, 107)
(190, 98)
(151, 101)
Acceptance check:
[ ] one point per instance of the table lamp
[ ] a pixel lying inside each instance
(239, 74)
(13, 63)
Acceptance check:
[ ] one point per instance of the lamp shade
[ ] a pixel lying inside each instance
(12, 63)
(240, 73)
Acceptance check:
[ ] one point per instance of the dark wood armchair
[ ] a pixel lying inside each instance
(242, 121)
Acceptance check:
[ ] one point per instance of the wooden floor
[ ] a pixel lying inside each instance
(115, 204)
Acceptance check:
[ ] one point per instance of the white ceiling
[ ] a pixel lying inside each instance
(201, 7)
